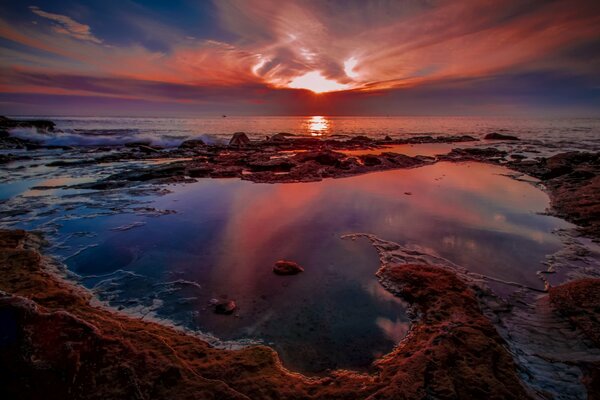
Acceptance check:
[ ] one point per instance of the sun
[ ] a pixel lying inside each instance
(316, 82)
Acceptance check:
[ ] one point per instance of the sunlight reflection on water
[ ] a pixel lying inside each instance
(318, 125)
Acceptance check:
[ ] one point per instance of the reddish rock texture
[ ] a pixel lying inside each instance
(579, 302)
(454, 352)
(56, 345)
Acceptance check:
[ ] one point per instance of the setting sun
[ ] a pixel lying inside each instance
(317, 83)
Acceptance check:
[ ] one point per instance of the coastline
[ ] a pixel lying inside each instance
(77, 349)
(48, 312)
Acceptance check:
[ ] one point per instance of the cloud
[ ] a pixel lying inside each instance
(67, 26)
(266, 47)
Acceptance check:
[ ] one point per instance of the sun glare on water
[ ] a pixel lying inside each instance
(317, 125)
(317, 83)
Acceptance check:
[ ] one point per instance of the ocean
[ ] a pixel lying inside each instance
(566, 133)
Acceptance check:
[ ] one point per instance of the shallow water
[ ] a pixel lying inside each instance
(226, 235)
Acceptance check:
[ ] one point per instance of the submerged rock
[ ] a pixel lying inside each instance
(579, 302)
(499, 136)
(285, 267)
(224, 307)
(239, 139)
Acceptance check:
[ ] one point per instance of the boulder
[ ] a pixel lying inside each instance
(239, 139)
(285, 267)
(224, 307)
(370, 160)
(499, 136)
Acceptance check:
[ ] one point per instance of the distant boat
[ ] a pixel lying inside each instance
(224, 116)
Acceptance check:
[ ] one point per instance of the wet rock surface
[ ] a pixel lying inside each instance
(579, 301)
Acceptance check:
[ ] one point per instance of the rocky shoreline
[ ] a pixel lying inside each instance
(56, 343)
(572, 179)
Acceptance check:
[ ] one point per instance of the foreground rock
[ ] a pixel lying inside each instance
(579, 302)
(56, 345)
(284, 267)
(454, 352)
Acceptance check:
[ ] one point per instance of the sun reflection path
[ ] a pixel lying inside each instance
(318, 125)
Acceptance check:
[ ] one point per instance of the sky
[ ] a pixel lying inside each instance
(325, 57)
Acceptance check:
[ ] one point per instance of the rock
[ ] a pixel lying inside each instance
(285, 267)
(361, 138)
(225, 307)
(39, 124)
(279, 137)
(239, 139)
(275, 165)
(323, 157)
(199, 171)
(499, 136)
(370, 160)
(192, 144)
(579, 301)
(226, 172)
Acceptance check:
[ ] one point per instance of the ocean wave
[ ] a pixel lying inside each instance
(107, 137)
